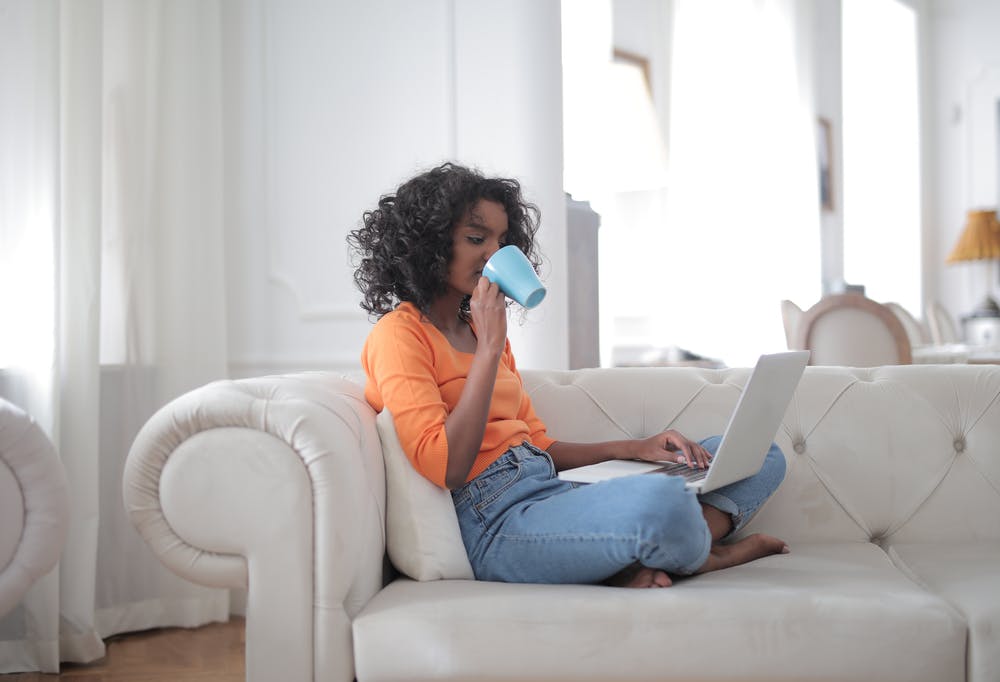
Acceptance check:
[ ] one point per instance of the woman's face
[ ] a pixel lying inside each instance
(476, 237)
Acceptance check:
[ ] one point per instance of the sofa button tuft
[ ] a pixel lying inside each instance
(959, 444)
(799, 447)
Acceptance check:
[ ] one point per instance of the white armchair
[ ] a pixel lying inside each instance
(34, 504)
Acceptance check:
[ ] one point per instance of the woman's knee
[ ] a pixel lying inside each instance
(667, 514)
(757, 488)
(772, 472)
(678, 539)
(662, 520)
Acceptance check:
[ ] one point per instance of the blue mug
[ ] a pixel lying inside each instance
(511, 270)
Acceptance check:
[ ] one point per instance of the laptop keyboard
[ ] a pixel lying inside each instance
(681, 469)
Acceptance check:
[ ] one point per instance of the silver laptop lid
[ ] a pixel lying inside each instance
(755, 421)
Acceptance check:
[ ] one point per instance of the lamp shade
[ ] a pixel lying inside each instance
(980, 239)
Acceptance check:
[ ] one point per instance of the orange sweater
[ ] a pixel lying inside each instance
(418, 376)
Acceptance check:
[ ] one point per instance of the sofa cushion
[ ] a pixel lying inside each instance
(967, 575)
(422, 535)
(836, 611)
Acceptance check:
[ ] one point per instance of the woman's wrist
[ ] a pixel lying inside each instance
(625, 449)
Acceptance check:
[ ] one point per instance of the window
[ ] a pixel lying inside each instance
(882, 248)
(702, 260)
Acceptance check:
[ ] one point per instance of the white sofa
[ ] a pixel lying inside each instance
(890, 504)
(34, 506)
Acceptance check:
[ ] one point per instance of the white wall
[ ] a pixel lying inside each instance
(331, 105)
(508, 104)
(962, 54)
(828, 96)
(959, 61)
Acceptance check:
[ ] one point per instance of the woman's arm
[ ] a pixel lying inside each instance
(466, 424)
(669, 445)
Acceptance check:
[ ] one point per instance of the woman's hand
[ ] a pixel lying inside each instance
(489, 316)
(673, 446)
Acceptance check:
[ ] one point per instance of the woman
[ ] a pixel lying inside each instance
(439, 360)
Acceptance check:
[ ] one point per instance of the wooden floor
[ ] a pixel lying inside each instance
(209, 653)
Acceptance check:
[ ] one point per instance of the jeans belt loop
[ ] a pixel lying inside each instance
(521, 452)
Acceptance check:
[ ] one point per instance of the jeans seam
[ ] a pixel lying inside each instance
(643, 547)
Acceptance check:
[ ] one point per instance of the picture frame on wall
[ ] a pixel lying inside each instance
(824, 160)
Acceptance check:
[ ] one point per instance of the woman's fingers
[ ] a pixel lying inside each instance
(487, 292)
(691, 453)
(705, 457)
(489, 314)
(686, 456)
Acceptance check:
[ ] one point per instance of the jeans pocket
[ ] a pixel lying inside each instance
(461, 497)
(495, 481)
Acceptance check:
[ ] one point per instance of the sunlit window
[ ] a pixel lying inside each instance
(26, 295)
(881, 150)
(702, 260)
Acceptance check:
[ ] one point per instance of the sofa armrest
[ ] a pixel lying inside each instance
(275, 484)
(34, 504)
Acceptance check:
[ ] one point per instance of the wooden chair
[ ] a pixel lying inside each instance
(855, 331)
(791, 317)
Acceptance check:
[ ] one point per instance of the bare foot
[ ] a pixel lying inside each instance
(638, 575)
(749, 548)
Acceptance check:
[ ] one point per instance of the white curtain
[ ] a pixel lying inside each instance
(742, 215)
(112, 294)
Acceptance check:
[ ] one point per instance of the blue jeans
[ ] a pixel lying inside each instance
(521, 523)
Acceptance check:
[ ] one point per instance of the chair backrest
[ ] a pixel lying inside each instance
(940, 324)
(791, 317)
(855, 331)
(914, 328)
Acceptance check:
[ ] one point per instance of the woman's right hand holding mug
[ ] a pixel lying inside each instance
(488, 306)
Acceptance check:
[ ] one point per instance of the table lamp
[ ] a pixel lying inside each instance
(980, 240)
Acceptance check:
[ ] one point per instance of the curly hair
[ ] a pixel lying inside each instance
(405, 245)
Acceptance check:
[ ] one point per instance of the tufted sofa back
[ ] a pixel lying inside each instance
(901, 454)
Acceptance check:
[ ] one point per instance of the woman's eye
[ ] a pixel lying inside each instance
(476, 240)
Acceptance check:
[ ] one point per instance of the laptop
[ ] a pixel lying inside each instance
(745, 442)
